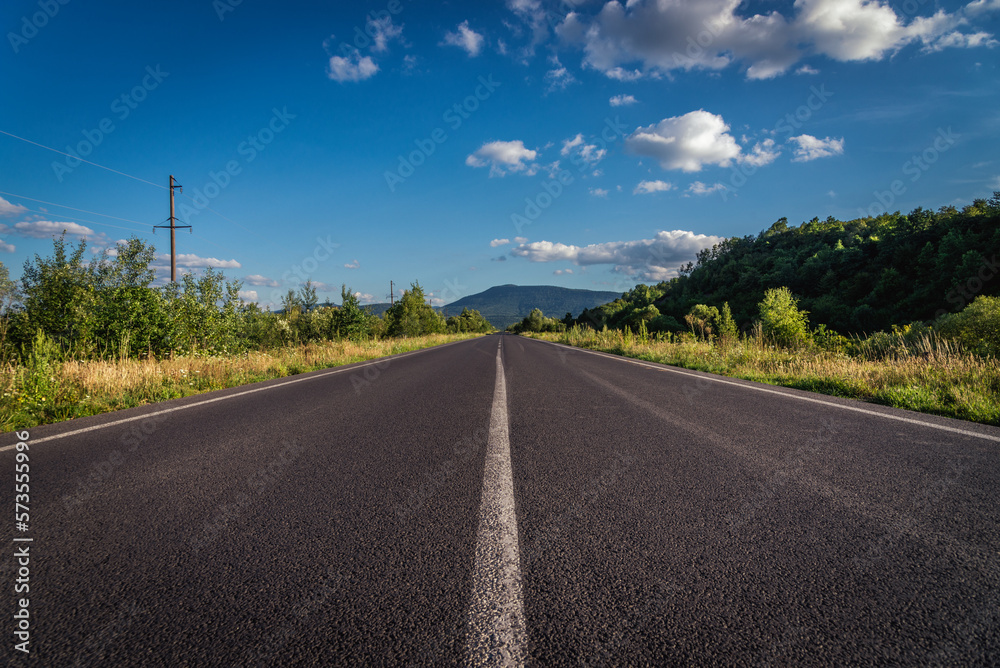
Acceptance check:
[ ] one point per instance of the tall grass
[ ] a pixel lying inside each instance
(924, 373)
(49, 389)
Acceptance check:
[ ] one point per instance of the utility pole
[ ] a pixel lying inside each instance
(392, 300)
(173, 227)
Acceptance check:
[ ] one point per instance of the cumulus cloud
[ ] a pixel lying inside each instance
(248, 295)
(520, 240)
(263, 281)
(8, 209)
(647, 187)
(503, 157)
(353, 264)
(192, 261)
(365, 297)
(6, 247)
(384, 32)
(499, 242)
(353, 68)
(558, 78)
(686, 142)
(598, 192)
(810, 148)
(654, 259)
(585, 152)
(622, 100)
(465, 38)
(699, 188)
(763, 153)
(662, 37)
(46, 229)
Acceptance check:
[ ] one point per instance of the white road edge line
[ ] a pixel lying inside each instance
(320, 374)
(496, 630)
(662, 367)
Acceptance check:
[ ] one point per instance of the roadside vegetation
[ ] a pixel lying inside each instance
(81, 337)
(901, 310)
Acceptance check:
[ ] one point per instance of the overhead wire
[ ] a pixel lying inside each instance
(162, 187)
(76, 157)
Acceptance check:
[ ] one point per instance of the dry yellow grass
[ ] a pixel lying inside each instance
(45, 391)
(940, 380)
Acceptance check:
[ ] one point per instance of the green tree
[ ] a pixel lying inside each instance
(701, 319)
(725, 324)
(130, 316)
(412, 315)
(352, 321)
(782, 320)
(59, 295)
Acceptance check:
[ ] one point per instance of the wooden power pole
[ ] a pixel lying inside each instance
(392, 301)
(173, 227)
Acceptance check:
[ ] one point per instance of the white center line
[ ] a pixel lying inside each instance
(496, 633)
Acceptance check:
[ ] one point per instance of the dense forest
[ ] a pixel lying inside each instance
(107, 307)
(855, 277)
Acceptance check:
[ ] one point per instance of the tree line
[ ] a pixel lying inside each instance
(107, 307)
(853, 277)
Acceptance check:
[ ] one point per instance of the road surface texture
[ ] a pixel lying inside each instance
(505, 501)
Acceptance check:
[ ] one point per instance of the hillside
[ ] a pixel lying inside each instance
(856, 276)
(506, 304)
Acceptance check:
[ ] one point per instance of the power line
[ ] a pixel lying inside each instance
(95, 213)
(76, 157)
(48, 148)
(92, 222)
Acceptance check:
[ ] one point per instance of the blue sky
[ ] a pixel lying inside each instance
(583, 144)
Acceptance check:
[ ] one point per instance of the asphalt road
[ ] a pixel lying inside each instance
(580, 510)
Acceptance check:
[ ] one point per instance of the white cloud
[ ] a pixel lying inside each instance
(647, 187)
(192, 261)
(560, 272)
(686, 142)
(663, 36)
(465, 38)
(588, 153)
(805, 69)
(982, 6)
(558, 78)
(365, 298)
(699, 188)
(504, 156)
(520, 240)
(995, 183)
(248, 295)
(384, 32)
(598, 192)
(811, 148)
(354, 68)
(353, 264)
(622, 100)
(654, 259)
(499, 242)
(257, 279)
(8, 209)
(46, 229)
(763, 153)
(6, 247)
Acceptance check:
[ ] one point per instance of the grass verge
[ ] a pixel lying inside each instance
(44, 390)
(942, 382)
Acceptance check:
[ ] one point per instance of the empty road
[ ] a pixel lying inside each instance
(507, 501)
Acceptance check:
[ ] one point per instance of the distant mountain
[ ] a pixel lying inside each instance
(504, 305)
